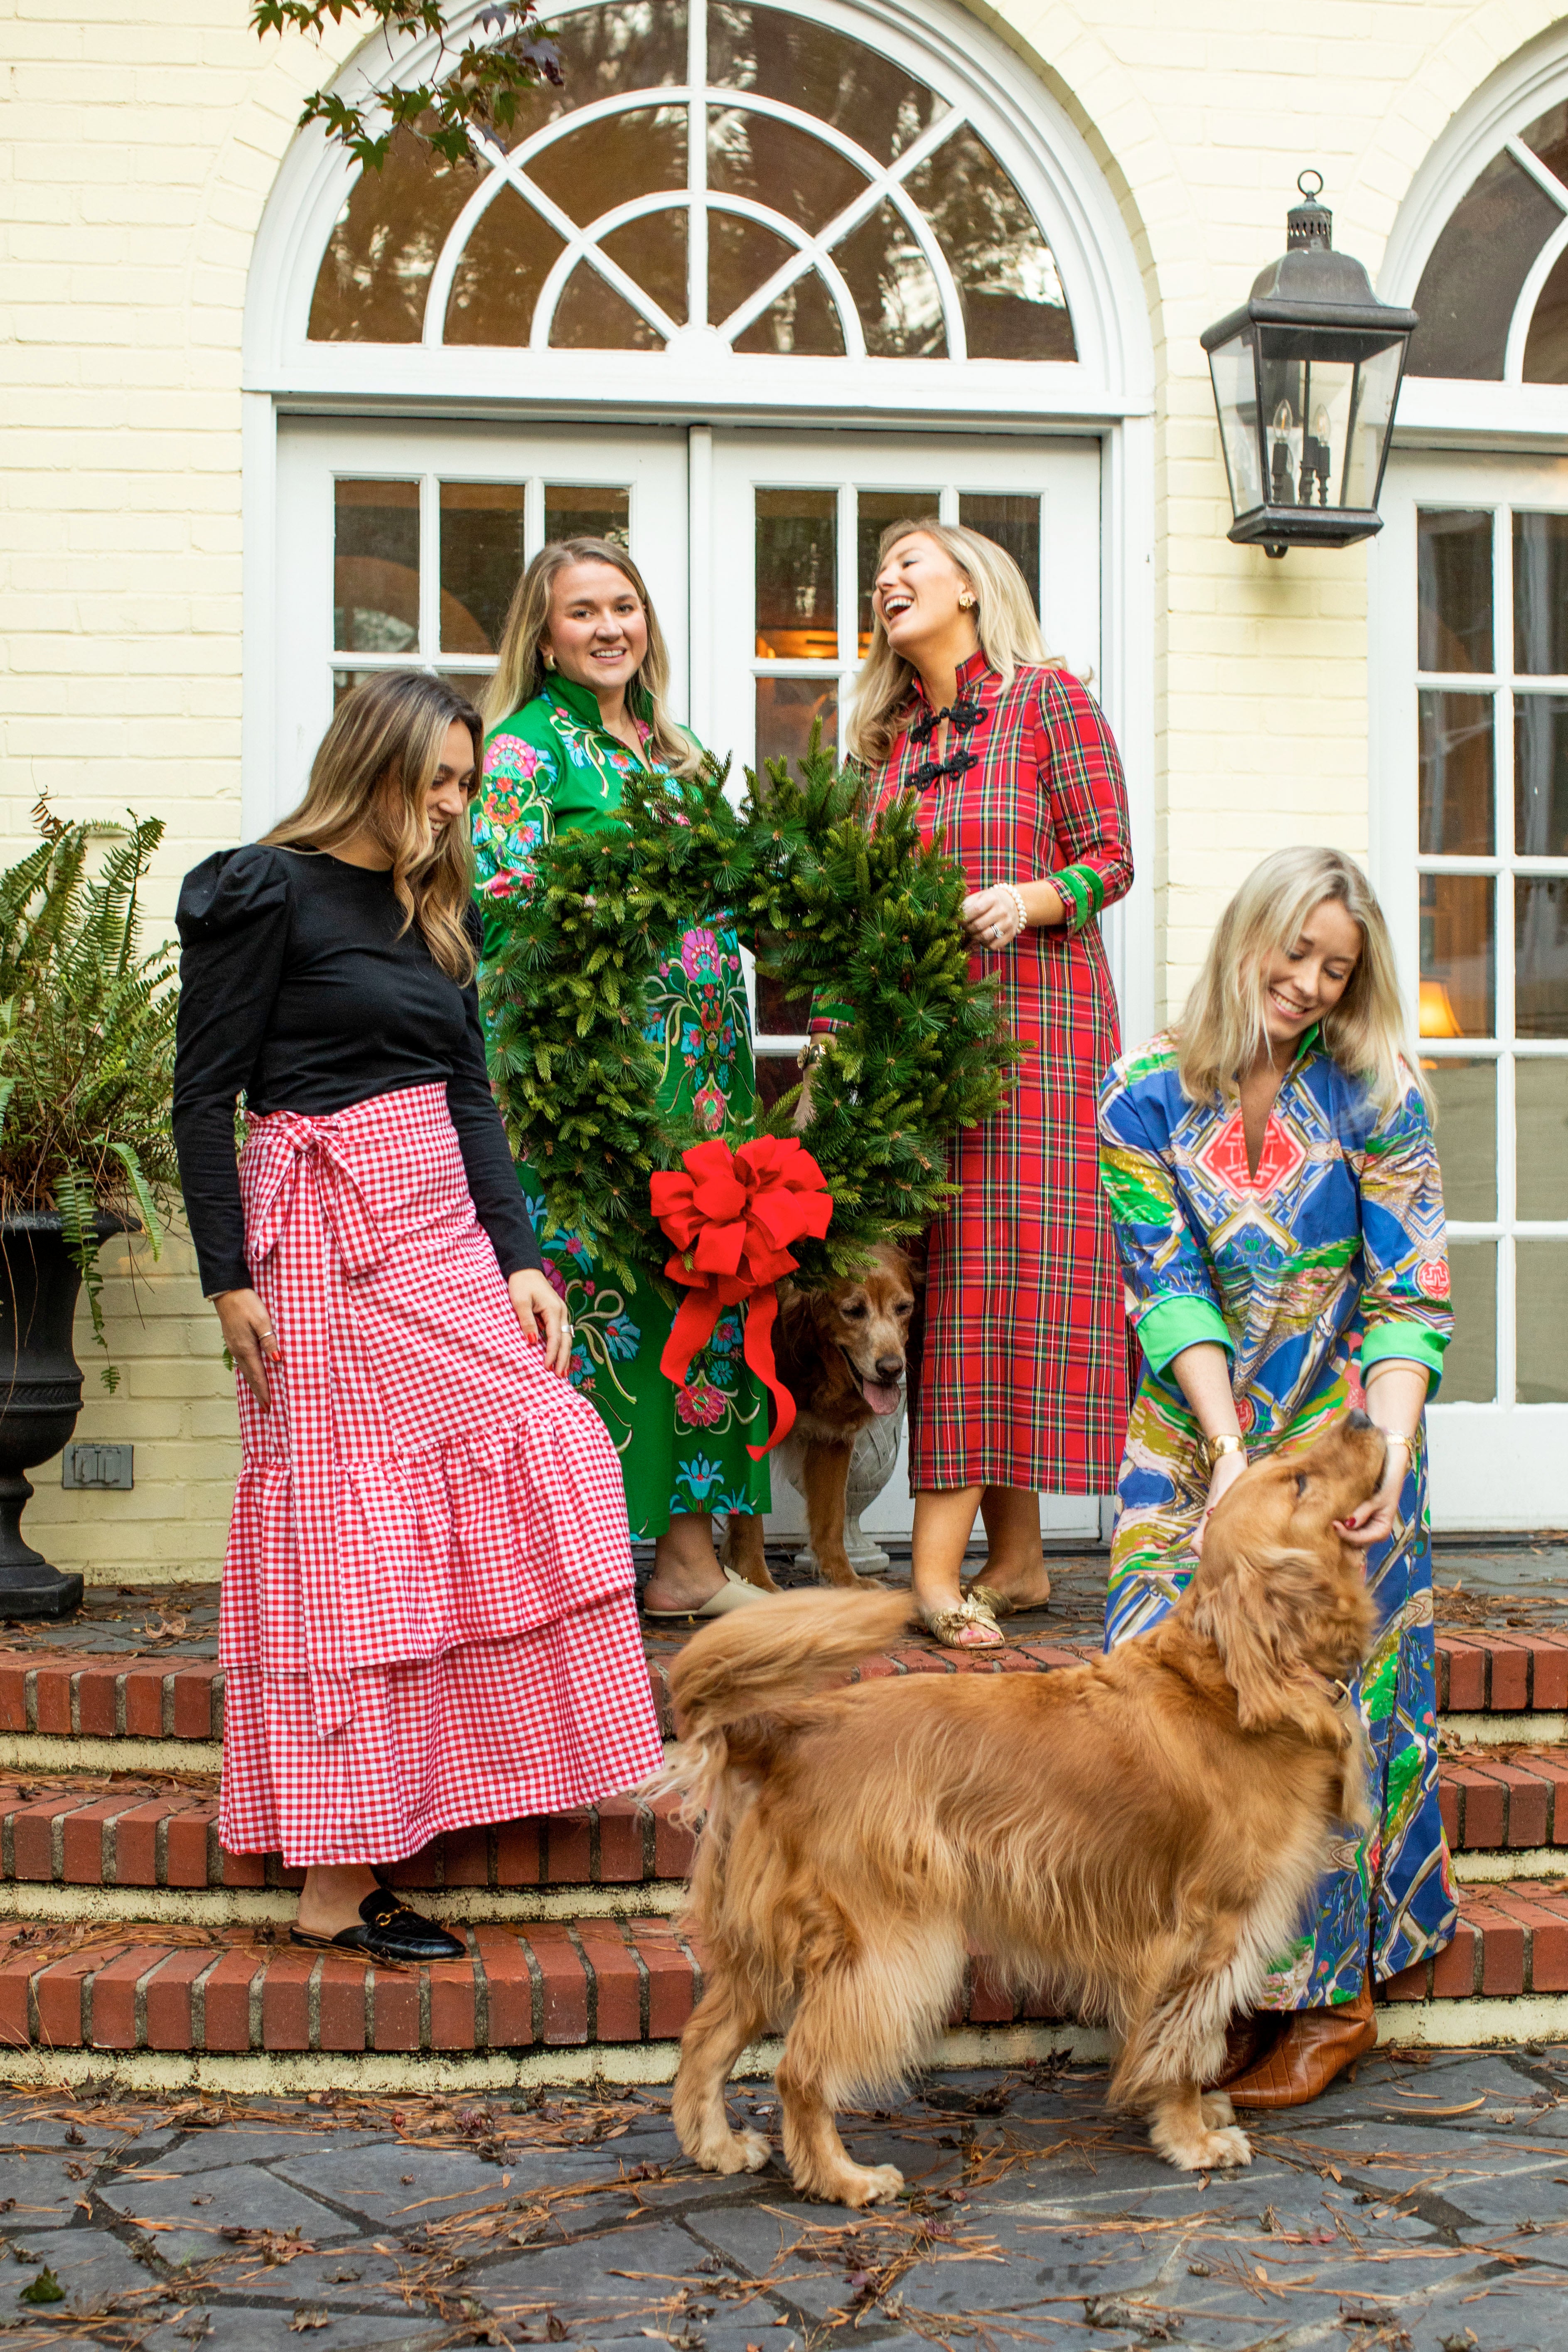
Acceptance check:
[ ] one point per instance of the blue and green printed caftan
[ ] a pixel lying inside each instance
(550, 766)
(1330, 1260)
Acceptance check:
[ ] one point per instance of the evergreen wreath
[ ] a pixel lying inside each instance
(828, 898)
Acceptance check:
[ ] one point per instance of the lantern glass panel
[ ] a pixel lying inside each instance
(1328, 394)
(1236, 398)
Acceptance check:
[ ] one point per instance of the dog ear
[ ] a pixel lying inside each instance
(1263, 1606)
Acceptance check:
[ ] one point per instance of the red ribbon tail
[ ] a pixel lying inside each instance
(758, 1351)
(692, 1330)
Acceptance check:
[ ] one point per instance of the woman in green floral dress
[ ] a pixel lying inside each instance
(576, 702)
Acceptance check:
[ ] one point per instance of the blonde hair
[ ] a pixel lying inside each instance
(1224, 1026)
(1005, 623)
(520, 673)
(378, 760)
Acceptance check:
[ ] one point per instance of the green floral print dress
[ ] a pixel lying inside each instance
(553, 765)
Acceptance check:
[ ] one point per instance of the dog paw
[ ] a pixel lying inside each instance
(1204, 2151)
(747, 2151)
(869, 2184)
(1217, 2110)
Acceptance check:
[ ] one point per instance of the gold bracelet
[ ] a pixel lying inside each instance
(1211, 1448)
(1397, 1437)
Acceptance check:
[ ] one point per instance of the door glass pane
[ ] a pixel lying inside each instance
(375, 571)
(1454, 590)
(1541, 595)
(875, 512)
(1455, 736)
(1469, 1364)
(482, 562)
(1540, 957)
(1457, 955)
(804, 318)
(797, 575)
(777, 1073)
(573, 510)
(895, 293)
(1014, 523)
(786, 710)
(1540, 775)
(779, 1014)
(1540, 1309)
(1466, 1137)
(1540, 1098)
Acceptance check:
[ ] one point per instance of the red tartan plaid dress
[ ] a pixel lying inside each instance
(1023, 1381)
(428, 1617)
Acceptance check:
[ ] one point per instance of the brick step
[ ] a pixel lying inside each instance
(83, 1696)
(586, 1984)
(122, 1836)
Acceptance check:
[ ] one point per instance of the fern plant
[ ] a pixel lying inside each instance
(87, 1045)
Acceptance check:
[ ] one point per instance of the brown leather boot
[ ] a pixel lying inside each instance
(1247, 2038)
(1316, 2045)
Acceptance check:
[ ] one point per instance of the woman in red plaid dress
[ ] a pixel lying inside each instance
(1023, 1382)
(427, 1618)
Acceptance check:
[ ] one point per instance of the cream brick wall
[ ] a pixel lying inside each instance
(138, 143)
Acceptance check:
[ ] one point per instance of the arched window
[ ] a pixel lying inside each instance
(1493, 297)
(754, 174)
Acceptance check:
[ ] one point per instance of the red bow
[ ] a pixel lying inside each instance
(733, 1218)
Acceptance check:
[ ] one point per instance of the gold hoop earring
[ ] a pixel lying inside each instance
(548, 658)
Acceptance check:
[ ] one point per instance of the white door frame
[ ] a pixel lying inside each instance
(1502, 1465)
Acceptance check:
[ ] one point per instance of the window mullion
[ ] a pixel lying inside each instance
(697, 163)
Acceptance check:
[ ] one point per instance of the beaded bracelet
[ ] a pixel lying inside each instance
(1017, 899)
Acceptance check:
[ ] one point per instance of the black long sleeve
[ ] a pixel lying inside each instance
(301, 991)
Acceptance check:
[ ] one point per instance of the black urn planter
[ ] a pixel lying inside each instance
(40, 1395)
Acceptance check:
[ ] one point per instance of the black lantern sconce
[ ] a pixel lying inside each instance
(1306, 377)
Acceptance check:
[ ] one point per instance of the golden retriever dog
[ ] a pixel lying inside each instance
(1141, 1833)
(842, 1355)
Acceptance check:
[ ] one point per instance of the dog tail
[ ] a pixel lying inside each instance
(752, 1662)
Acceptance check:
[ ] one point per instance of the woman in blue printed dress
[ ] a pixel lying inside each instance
(1278, 1213)
(577, 701)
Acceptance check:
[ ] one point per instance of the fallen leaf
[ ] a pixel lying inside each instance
(44, 2288)
(302, 2320)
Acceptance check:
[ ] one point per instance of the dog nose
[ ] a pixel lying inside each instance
(889, 1368)
(1356, 1419)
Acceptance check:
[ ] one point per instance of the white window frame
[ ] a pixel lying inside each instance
(1107, 393)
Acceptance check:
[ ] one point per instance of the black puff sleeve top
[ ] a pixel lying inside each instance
(301, 990)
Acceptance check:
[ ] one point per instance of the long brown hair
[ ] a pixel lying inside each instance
(378, 760)
(1224, 1026)
(521, 670)
(1005, 623)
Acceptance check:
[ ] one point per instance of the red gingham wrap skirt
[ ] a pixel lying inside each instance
(427, 1616)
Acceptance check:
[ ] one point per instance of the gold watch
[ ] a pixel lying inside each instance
(1211, 1448)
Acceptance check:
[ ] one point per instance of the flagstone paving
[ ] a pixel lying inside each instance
(1423, 2207)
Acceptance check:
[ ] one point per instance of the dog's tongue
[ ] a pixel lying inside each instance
(882, 1396)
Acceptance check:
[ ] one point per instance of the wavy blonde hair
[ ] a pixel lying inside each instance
(521, 671)
(1224, 1026)
(378, 760)
(1004, 622)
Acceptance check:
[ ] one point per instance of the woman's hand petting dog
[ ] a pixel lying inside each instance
(1227, 1469)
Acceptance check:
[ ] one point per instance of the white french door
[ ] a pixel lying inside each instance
(1470, 649)
(400, 545)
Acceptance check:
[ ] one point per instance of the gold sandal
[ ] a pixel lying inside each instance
(948, 1625)
(996, 1604)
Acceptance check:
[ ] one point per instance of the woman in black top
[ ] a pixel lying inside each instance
(428, 1617)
